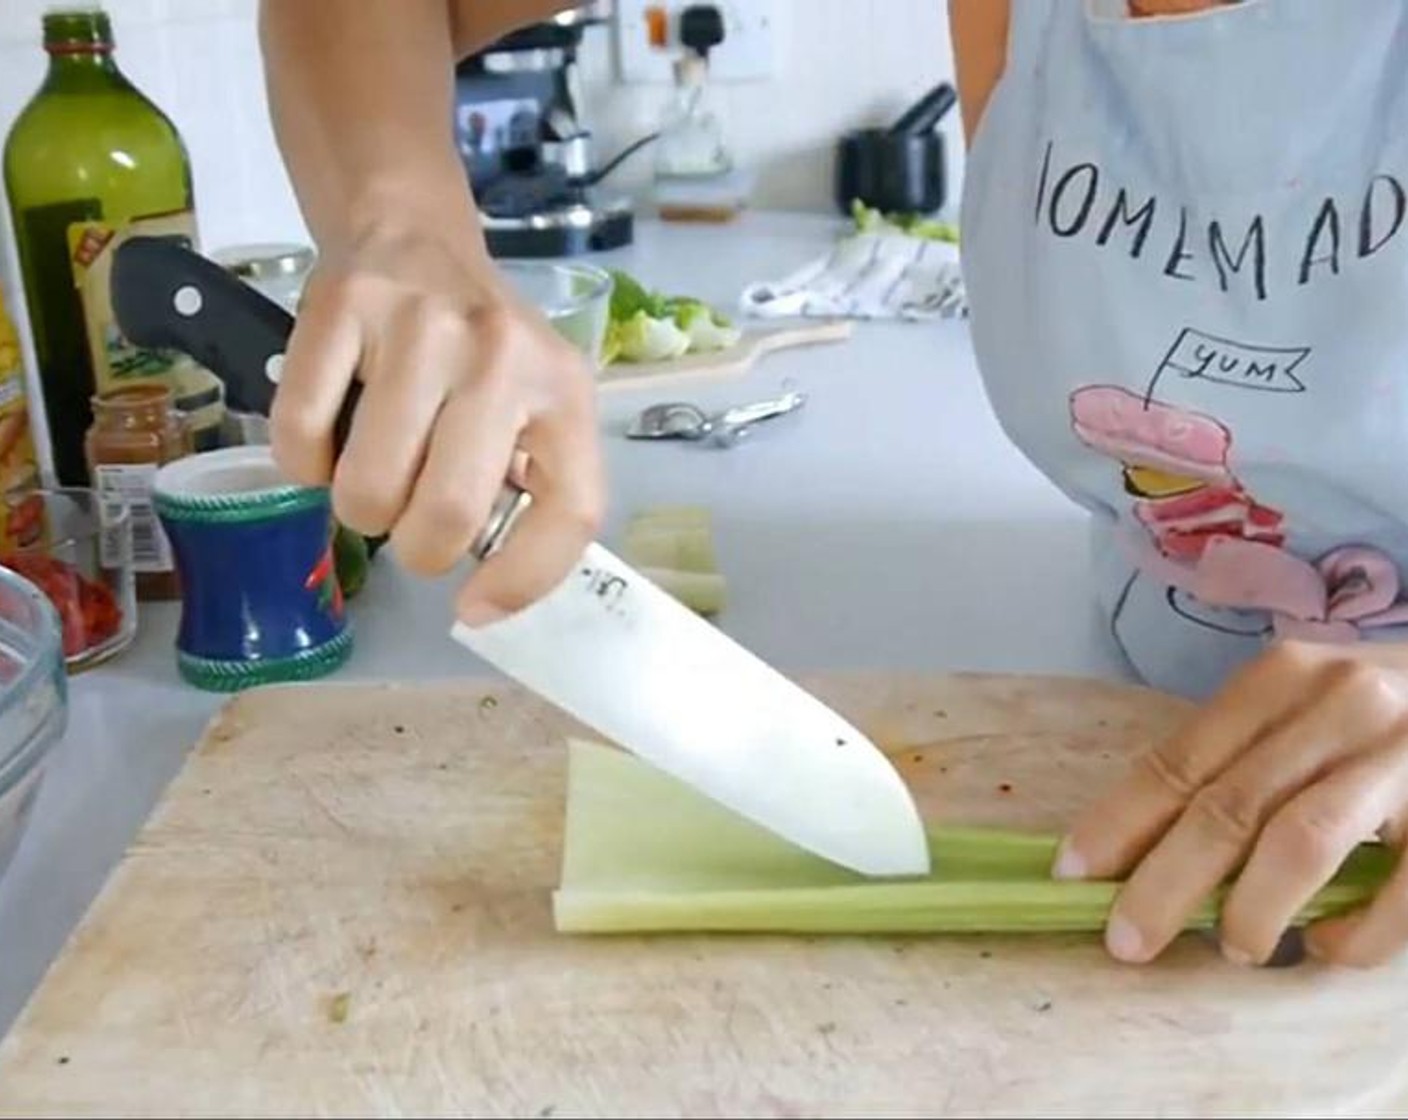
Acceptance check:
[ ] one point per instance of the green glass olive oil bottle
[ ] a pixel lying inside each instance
(89, 161)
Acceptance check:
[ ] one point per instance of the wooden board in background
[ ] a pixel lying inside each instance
(399, 846)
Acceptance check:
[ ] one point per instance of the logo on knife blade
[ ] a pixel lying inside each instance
(607, 586)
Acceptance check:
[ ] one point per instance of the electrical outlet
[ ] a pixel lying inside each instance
(648, 42)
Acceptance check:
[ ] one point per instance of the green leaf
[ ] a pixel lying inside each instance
(629, 298)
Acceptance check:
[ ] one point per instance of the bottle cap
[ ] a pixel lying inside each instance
(76, 28)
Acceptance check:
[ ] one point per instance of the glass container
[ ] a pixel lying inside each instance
(33, 702)
(81, 559)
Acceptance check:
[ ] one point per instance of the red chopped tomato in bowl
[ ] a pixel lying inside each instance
(88, 611)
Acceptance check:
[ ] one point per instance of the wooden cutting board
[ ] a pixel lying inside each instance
(717, 365)
(342, 907)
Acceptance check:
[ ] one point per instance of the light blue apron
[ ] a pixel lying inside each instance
(1185, 242)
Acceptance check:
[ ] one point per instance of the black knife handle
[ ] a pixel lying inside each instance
(166, 296)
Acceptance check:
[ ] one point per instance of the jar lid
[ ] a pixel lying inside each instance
(272, 261)
(140, 393)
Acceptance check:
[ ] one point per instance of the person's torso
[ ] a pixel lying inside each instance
(1186, 248)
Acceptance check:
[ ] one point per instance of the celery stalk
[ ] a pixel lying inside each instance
(644, 853)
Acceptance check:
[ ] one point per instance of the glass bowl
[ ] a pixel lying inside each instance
(33, 701)
(575, 297)
(77, 549)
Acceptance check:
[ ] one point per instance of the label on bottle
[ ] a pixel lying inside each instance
(117, 362)
(60, 340)
(21, 513)
(132, 482)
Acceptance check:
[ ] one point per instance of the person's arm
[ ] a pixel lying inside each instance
(978, 29)
(361, 97)
(460, 380)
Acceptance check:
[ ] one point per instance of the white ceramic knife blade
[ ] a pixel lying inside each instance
(621, 655)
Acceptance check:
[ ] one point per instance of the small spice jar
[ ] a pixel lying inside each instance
(135, 430)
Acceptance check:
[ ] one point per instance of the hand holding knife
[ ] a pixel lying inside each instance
(605, 645)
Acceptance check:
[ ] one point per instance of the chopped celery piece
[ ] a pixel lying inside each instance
(673, 546)
(678, 515)
(644, 853)
(701, 592)
(685, 549)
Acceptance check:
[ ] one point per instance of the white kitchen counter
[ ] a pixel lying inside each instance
(887, 525)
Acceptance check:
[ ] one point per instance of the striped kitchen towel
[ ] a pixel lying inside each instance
(870, 275)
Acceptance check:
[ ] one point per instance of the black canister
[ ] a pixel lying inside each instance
(900, 169)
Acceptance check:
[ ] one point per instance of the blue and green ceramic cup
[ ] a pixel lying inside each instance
(260, 599)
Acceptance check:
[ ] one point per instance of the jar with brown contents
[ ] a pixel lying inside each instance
(135, 431)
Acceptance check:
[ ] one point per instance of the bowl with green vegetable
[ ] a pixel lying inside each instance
(652, 326)
(613, 318)
(575, 297)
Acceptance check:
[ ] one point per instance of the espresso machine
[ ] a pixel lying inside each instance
(526, 151)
